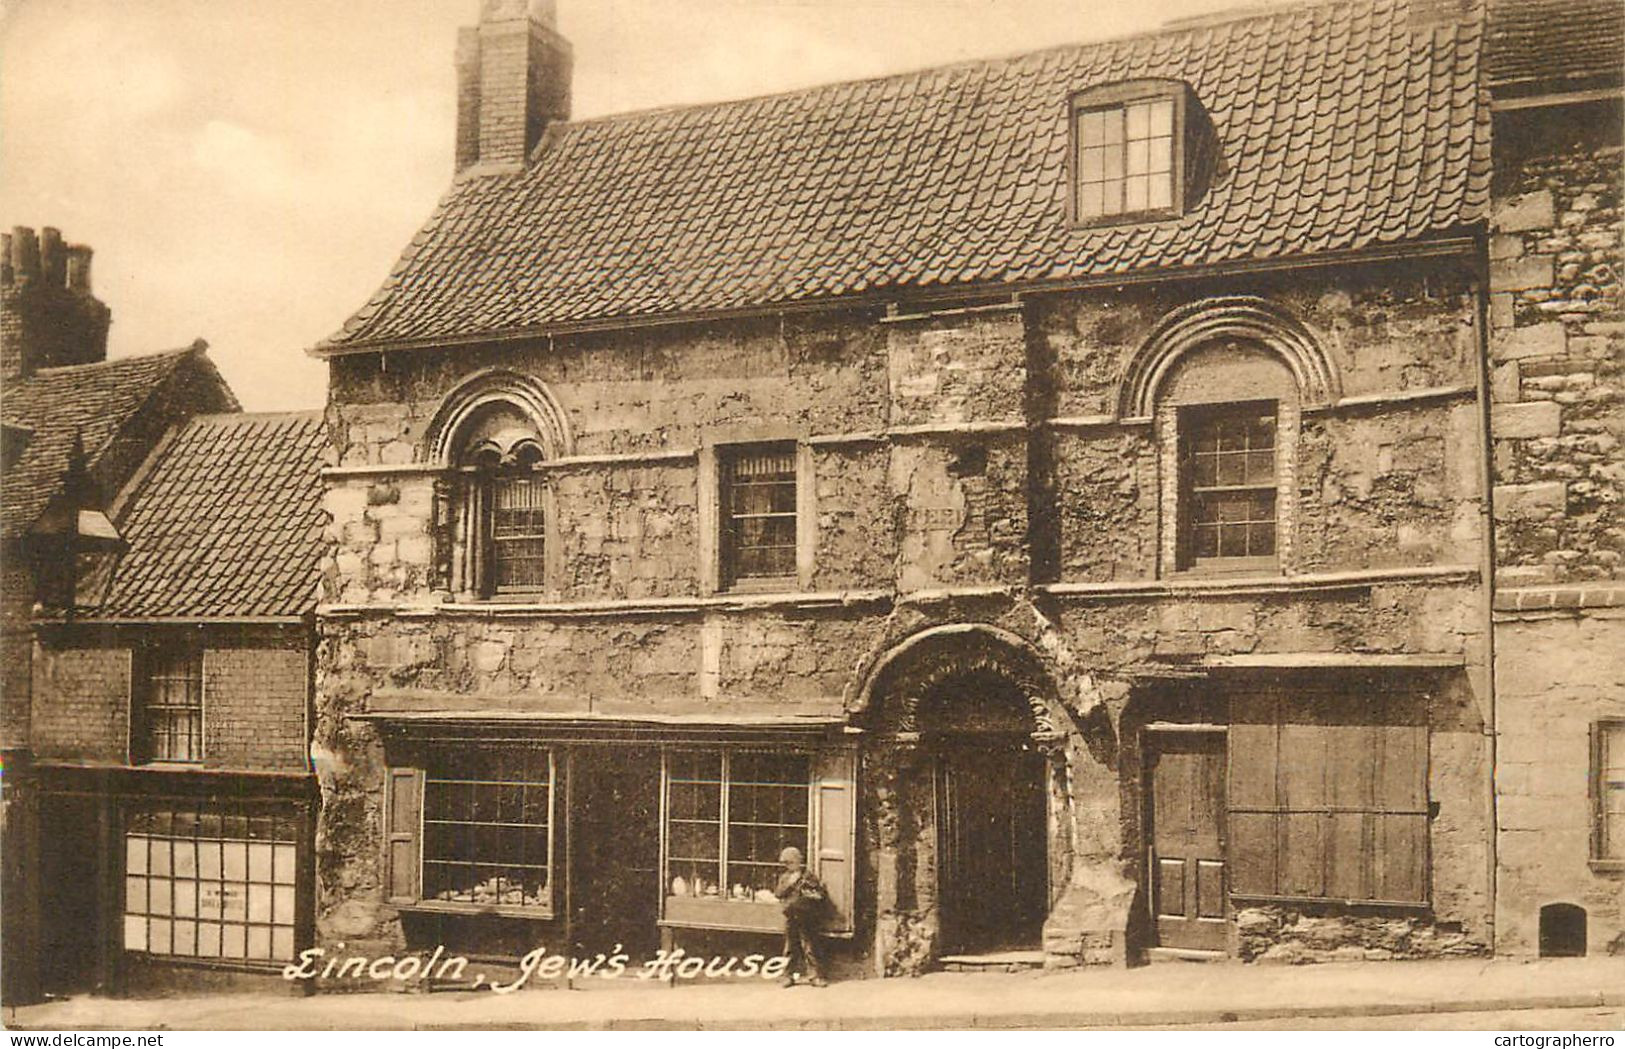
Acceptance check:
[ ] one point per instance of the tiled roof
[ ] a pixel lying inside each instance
(95, 401)
(1342, 125)
(225, 522)
(1555, 42)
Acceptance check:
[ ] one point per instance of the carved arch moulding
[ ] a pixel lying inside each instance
(490, 389)
(1201, 323)
(893, 692)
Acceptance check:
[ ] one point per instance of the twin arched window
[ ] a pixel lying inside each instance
(494, 434)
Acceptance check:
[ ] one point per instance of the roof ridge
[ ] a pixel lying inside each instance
(1252, 11)
(136, 358)
(287, 415)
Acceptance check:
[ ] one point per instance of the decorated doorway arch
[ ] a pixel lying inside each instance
(965, 792)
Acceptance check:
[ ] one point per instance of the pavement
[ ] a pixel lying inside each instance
(1161, 995)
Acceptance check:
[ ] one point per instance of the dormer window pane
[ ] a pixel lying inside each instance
(1125, 158)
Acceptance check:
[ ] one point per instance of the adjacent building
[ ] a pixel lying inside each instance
(76, 428)
(162, 557)
(1556, 251)
(1050, 491)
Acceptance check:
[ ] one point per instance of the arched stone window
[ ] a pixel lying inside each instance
(1224, 383)
(496, 516)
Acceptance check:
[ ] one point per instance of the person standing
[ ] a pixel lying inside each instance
(803, 899)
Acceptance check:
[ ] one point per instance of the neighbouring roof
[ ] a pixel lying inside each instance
(1343, 125)
(224, 521)
(98, 403)
(1555, 44)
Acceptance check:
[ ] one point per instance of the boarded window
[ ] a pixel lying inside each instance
(208, 882)
(758, 502)
(1328, 797)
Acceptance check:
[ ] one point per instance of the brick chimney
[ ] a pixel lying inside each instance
(513, 79)
(48, 317)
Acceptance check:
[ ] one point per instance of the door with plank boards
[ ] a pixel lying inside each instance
(1186, 773)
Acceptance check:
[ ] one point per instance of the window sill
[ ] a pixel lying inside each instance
(764, 585)
(1240, 899)
(1606, 866)
(1230, 568)
(476, 909)
(691, 912)
(1128, 218)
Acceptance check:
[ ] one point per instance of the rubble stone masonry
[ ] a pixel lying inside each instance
(1557, 353)
(972, 467)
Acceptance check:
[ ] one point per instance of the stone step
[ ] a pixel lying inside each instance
(1184, 954)
(994, 961)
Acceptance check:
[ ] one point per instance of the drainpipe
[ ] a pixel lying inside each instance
(1481, 321)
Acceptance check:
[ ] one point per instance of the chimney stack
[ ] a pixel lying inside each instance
(48, 317)
(513, 80)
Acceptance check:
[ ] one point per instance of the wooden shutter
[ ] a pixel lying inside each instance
(835, 830)
(404, 816)
(1253, 825)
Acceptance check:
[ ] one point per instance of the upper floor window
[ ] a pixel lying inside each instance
(1608, 794)
(758, 503)
(504, 506)
(171, 714)
(1227, 415)
(1230, 478)
(1129, 151)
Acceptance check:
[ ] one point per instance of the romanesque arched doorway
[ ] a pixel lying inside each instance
(961, 751)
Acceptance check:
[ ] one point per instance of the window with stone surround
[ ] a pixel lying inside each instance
(502, 505)
(1227, 468)
(1226, 423)
(1608, 794)
(169, 708)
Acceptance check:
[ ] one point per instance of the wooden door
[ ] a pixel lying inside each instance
(993, 874)
(615, 889)
(1187, 869)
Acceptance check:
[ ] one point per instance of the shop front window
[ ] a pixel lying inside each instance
(729, 815)
(487, 829)
(210, 883)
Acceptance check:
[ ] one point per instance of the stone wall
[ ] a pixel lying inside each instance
(1557, 310)
(955, 466)
(1557, 313)
(1546, 709)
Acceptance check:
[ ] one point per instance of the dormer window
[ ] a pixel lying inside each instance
(1129, 152)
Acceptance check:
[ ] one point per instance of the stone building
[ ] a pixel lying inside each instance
(76, 428)
(1558, 339)
(1050, 491)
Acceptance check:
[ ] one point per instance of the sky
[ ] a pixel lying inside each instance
(247, 171)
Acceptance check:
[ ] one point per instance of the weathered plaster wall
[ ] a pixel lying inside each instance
(1388, 483)
(929, 459)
